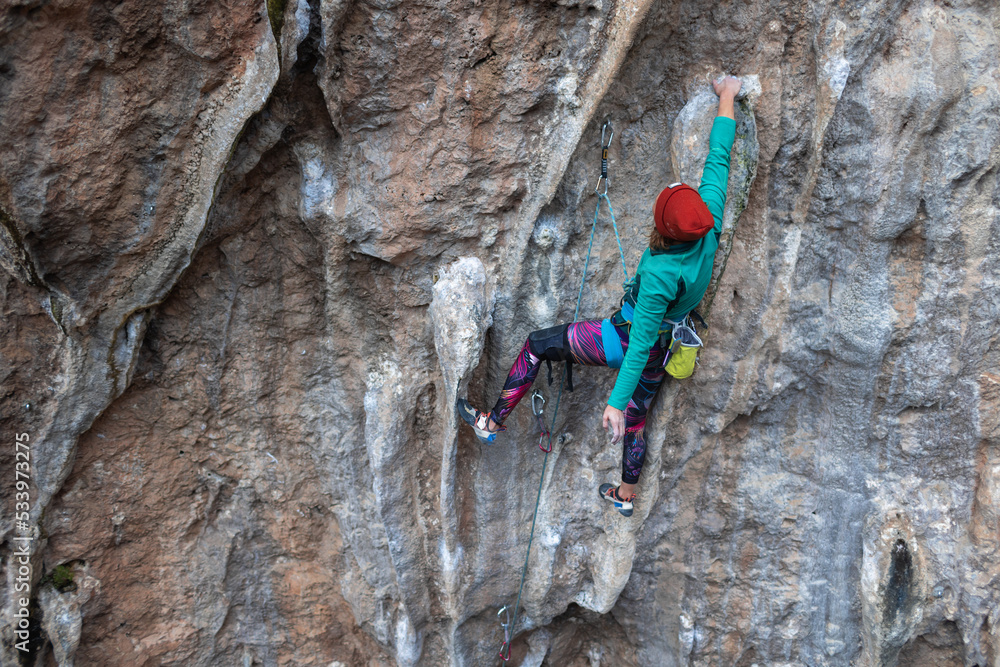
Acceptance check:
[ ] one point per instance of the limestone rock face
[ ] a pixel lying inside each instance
(252, 254)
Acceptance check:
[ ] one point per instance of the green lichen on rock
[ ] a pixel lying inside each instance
(61, 578)
(747, 157)
(276, 15)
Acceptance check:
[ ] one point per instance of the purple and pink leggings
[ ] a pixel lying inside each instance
(587, 349)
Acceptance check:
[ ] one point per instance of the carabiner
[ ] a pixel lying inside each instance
(537, 398)
(607, 127)
(538, 409)
(607, 130)
(505, 647)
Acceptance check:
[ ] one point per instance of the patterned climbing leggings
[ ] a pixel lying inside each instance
(588, 350)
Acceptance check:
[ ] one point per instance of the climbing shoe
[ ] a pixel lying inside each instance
(479, 421)
(610, 493)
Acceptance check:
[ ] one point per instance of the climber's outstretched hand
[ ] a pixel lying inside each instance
(727, 85)
(726, 88)
(616, 418)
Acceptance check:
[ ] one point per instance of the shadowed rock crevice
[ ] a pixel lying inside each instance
(898, 601)
(898, 594)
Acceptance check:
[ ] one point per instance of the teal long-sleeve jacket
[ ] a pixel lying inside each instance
(671, 282)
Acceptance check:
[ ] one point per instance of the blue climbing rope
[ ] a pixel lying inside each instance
(510, 627)
(621, 252)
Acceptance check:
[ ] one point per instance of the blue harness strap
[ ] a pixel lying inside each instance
(612, 344)
(628, 314)
(628, 311)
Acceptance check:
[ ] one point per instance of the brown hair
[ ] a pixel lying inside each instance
(658, 241)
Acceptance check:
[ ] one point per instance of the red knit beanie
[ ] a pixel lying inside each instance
(680, 213)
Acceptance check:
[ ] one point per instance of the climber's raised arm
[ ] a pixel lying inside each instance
(715, 176)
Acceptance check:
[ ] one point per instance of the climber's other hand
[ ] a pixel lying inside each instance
(727, 85)
(616, 418)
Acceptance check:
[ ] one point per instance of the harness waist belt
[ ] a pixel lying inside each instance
(628, 313)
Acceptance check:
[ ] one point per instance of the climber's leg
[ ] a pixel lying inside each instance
(519, 380)
(634, 445)
(585, 343)
(579, 342)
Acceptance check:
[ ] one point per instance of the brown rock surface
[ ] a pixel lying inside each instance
(239, 298)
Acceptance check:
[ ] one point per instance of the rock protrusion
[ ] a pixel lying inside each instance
(62, 611)
(461, 311)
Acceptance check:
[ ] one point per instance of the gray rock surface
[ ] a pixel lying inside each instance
(240, 301)
(62, 614)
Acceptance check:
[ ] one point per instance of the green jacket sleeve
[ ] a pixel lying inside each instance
(715, 176)
(651, 306)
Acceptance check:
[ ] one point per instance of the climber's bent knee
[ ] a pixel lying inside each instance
(550, 344)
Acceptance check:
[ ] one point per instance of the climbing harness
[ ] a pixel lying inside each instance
(614, 354)
(538, 409)
(550, 345)
(606, 131)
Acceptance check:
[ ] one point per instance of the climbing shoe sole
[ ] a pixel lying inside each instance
(470, 415)
(624, 507)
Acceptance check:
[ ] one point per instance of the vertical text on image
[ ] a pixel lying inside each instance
(23, 537)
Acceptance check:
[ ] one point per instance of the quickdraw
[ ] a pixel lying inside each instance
(605, 145)
(505, 648)
(538, 409)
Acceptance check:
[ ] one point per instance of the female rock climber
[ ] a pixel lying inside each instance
(671, 279)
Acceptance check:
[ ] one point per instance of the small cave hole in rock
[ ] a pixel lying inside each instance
(942, 646)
